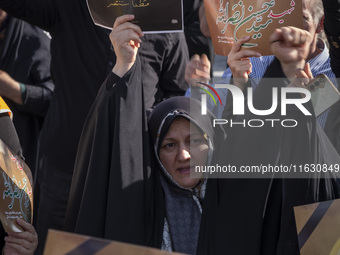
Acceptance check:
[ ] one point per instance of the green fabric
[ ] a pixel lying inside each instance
(23, 91)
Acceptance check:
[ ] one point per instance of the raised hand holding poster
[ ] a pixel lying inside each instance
(16, 190)
(231, 20)
(153, 16)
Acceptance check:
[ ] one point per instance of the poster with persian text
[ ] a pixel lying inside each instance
(153, 16)
(16, 198)
(231, 20)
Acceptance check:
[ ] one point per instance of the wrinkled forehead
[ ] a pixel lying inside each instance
(181, 122)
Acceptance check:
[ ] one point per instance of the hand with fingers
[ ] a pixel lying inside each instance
(239, 62)
(21, 243)
(197, 70)
(125, 39)
(303, 77)
(291, 46)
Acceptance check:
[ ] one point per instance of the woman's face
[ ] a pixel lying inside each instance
(182, 149)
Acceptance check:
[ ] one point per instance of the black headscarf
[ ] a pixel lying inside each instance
(182, 205)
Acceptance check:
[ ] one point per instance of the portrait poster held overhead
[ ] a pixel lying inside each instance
(16, 198)
(152, 16)
(231, 20)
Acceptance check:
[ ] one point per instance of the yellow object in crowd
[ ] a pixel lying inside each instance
(4, 107)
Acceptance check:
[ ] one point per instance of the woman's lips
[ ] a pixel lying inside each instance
(184, 169)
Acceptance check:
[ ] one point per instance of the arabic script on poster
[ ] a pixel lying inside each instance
(231, 20)
(153, 16)
(16, 190)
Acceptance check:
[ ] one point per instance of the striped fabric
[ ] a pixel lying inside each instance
(319, 64)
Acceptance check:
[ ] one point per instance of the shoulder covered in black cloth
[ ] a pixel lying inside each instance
(113, 166)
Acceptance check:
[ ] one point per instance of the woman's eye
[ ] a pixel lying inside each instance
(169, 145)
(196, 141)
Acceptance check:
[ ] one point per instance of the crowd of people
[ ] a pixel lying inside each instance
(117, 133)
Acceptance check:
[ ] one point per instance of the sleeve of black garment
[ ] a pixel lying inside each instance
(172, 81)
(42, 13)
(39, 92)
(87, 139)
(110, 193)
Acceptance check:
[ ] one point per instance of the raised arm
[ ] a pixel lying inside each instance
(25, 76)
(197, 70)
(239, 62)
(291, 46)
(107, 154)
(125, 40)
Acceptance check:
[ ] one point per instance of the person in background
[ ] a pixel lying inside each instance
(199, 68)
(82, 56)
(247, 67)
(24, 242)
(198, 43)
(249, 207)
(25, 80)
(332, 30)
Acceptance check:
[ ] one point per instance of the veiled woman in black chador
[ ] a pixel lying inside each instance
(132, 184)
(182, 139)
(123, 194)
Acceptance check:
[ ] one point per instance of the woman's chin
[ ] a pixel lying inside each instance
(188, 182)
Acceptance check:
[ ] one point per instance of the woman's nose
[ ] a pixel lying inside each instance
(184, 153)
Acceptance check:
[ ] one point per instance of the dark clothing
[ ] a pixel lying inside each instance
(25, 56)
(255, 216)
(119, 176)
(111, 167)
(196, 41)
(82, 56)
(332, 29)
